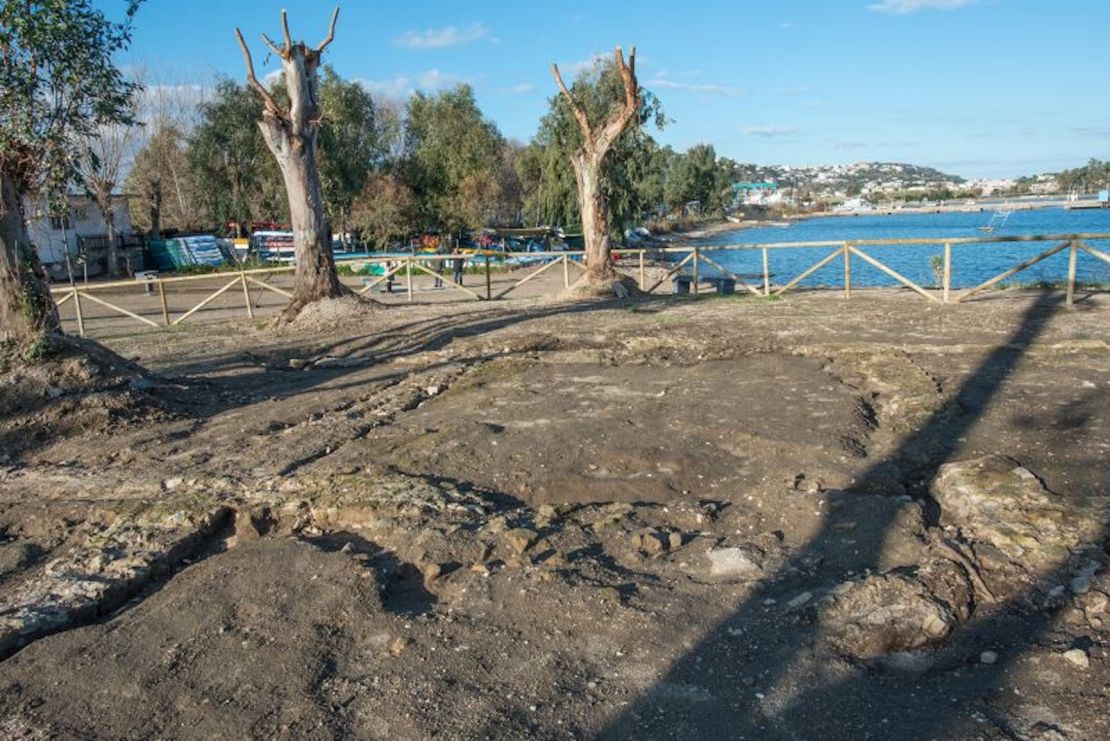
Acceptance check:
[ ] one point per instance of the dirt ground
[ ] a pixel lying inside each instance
(666, 517)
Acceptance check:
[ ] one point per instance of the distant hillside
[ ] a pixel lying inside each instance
(857, 176)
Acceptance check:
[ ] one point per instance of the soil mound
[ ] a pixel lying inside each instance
(77, 386)
(332, 312)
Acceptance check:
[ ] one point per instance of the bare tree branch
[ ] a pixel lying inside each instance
(285, 31)
(619, 120)
(331, 32)
(267, 99)
(273, 46)
(579, 114)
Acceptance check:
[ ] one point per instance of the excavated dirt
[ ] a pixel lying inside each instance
(657, 518)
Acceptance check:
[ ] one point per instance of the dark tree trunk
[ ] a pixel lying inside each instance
(156, 212)
(27, 310)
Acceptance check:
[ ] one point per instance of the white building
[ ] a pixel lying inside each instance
(83, 225)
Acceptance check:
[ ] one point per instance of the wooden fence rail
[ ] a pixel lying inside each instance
(675, 259)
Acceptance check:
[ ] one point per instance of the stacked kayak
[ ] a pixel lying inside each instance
(174, 254)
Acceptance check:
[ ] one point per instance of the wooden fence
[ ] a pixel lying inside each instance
(677, 260)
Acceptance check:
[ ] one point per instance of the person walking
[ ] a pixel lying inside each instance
(459, 262)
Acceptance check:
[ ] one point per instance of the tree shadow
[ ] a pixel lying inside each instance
(274, 379)
(759, 648)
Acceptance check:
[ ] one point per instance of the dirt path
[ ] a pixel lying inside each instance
(674, 517)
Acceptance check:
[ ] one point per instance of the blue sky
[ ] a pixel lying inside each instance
(981, 88)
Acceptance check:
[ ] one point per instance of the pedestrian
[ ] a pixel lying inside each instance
(440, 269)
(389, 277)
(459, 262)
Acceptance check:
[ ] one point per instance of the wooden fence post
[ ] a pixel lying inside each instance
(246, 295)
(489, 288)
(643, 276)
(694, 282)
(766, 273)
(408, 277)
(847, 270)
(80, 315)
(947, 277)
(162, 301)
(1073, 251)
(566, 271)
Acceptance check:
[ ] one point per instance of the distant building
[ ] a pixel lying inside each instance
(82, 231)
(755, 193)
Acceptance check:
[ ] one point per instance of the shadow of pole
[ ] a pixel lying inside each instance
(750, 641)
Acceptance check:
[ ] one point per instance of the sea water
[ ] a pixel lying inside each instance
(971, 263)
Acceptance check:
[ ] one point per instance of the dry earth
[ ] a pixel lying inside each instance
(658, 518)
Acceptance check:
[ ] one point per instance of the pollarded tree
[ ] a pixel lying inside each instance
(597, 138)
(57, 85)
(290, 133)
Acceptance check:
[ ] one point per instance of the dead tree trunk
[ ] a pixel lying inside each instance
(291, 136)
(27, 310)
(588, 162)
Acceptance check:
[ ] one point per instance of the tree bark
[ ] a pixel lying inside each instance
(595, 220)
(154, 197)
(110, 228)
(290, 135)
(27, 310)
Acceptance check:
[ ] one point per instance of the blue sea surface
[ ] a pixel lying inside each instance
(971, 263)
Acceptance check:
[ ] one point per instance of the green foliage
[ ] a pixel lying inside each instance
(456, 162)
(1093, 176)
(631, 181)
(57, 85)
(237, 178)
(160, 173)
(349, 144)
(694, 178)
(385, 209)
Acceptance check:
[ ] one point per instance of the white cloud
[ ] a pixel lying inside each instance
(403, 86)
(706, 88)
(271, 77)
(905, 7)
(441, 38)
(770, 132)
(585, 65)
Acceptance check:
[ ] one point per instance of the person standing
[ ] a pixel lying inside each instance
(459, 261)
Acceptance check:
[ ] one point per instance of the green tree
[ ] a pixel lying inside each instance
(694, 178)
(349, 142)
(58, 85)
(236, 178)
(164, 194)
(384, 210)
(455, 163)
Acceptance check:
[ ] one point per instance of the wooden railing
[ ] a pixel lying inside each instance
(676, 259)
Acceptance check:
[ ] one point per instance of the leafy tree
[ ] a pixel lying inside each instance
(384, 210)
(236, 178)
(162, 183)
(349, 142)
(58, 85)
(694, 178)
(455, 161)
